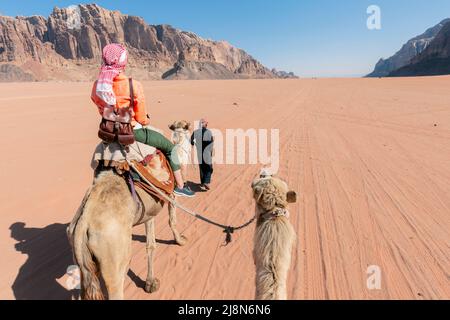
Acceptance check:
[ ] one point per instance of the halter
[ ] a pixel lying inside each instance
(278, 212)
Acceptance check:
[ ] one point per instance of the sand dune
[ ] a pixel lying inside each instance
(368, 157)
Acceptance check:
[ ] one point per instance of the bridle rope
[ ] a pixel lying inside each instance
(228, 230)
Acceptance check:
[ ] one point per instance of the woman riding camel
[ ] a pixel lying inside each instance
(112, 89)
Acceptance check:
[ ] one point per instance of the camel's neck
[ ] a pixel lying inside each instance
(268, 286)
(272, 253)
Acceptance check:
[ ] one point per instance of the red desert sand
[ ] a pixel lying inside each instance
(369, 159)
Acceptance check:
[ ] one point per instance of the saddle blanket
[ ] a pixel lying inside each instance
(147, 161)
(114, 153)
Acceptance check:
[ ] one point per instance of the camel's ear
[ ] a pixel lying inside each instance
(291, 197)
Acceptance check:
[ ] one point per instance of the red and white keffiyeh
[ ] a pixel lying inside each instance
(115, 59)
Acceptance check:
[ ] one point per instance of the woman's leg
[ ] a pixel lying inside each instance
(184, 172)
(157, 140)
(179, 179)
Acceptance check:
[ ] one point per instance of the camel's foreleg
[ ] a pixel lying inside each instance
(151, 284)
(179, 239)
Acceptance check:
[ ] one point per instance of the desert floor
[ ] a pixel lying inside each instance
(370, 159)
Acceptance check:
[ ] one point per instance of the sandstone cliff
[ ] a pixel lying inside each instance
(67, 46)
(409, 51)
(434, 60)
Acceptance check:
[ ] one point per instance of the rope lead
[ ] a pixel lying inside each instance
(228, 230)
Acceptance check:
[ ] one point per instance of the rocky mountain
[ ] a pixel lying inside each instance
(67, 46)
(433, 61)
(410, 50)
(284, 74)
(10, 72)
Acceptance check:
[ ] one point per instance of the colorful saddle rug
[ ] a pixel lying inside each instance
(148, 164)
(156, 169)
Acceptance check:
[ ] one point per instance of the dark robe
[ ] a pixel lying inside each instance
(204, 142)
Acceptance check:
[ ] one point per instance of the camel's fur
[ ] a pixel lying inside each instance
(274, 238)
(101, 235)
(181, 138)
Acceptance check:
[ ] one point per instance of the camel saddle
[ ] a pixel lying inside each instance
(156, 169)
(148, 164)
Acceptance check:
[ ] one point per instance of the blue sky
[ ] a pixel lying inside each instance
(309, 37)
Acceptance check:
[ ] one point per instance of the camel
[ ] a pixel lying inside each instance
(101, 235)
(181, 136)
(274, 237)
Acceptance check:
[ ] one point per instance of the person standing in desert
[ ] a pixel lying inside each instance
(113, 89)
(203, 139)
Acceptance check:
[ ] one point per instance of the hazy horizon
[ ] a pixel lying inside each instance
(311, 38)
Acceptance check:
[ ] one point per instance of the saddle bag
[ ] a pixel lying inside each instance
(116, 123)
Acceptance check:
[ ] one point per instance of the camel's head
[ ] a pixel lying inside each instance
(271, 194)
(181, 125)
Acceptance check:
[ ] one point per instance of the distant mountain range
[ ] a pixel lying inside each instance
(427, 54)
(67, 46)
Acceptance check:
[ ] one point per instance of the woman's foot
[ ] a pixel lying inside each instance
(206, 186)
(184, 192)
